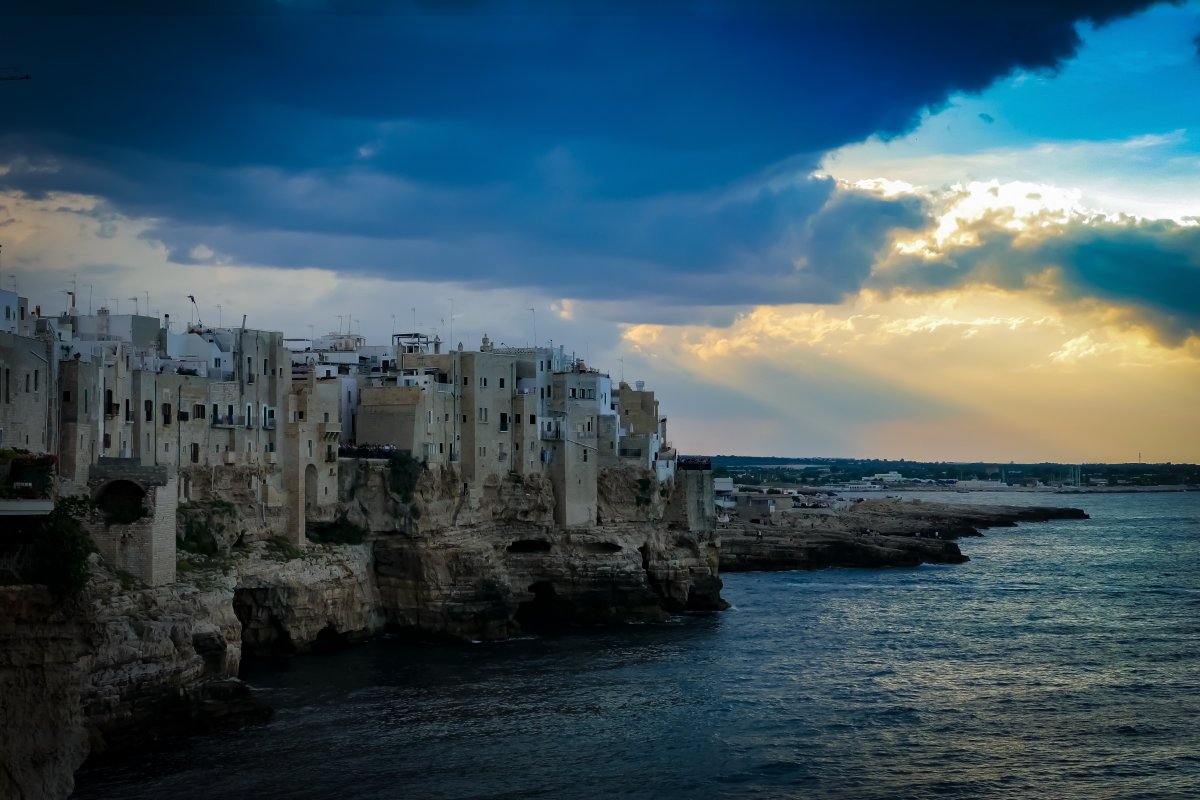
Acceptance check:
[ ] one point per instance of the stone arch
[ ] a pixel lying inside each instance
(121, 501)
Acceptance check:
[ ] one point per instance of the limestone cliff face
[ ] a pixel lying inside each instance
(42, 736)
(323, 597)
(486, 562)
(490, 583)
(153, 649)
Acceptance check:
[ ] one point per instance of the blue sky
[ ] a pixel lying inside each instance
(648, 178)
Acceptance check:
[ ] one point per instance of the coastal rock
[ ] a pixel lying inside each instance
(499, 582)
(323, 597)
(745, 552)
(43, 739)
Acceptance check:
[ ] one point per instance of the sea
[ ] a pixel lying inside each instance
(1062, 661)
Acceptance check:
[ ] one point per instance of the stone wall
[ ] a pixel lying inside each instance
(144, 548)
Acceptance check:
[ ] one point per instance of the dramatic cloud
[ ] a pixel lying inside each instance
(603, 149)
(1148, 273)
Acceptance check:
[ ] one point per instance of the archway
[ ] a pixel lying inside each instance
(122, 502)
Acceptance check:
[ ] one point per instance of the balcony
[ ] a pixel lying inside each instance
(331, 458)
(631, 452)
(329, 430)
(550, 436)
(228, 421)
(269, 424)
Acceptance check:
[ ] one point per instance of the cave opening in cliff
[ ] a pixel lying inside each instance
(529, 546)
(547, 612)
(263, 633)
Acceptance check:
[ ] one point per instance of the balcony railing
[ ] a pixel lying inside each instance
(228, 421)
(551, 436)
(631, 452)
(269, 424)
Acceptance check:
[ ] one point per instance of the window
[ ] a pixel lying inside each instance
(572, 393)
(541, 393)
(149, 408)
(195, 453)
(35, 380)
(502, 383)
(584, 454)
(198, 411)
(266, 367)
(441, 447)
(482, 450)
(107, 440)
(533, 419)
(66, 397)
(428, 417)
(310, 448)
(216, 363)
(128, 411)
(466, 381)
(483, 383)
(85, 399)
(166, 413)
(464, 416)
(447, 416)
(327, 416)
(483, 415)
(517, 419)
(503, 421)
(166, 447)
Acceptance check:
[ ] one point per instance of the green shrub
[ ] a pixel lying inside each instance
(405, 472)
(282, 549)
(61, 551)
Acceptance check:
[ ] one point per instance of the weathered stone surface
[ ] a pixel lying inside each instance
(43, 739)
(497, 582)
(744, 551)
(870, 533)
(325, 596)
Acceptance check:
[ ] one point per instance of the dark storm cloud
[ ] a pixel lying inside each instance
(1150, 270)
(595, 150)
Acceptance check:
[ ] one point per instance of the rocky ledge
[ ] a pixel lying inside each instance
(870, 533)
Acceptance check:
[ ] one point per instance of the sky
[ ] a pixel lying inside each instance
(814, 229)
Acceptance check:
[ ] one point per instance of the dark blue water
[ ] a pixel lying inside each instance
(1062, 661)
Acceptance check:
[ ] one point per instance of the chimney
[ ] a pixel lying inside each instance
(640, 385)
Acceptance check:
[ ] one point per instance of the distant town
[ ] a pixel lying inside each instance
(852, 474)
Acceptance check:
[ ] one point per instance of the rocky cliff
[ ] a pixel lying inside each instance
(42, 735)
(487, 562)
(124, 663)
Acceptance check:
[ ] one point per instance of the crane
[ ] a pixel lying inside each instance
(13, 74)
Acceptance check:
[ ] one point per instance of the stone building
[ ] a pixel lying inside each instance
(27, 386)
